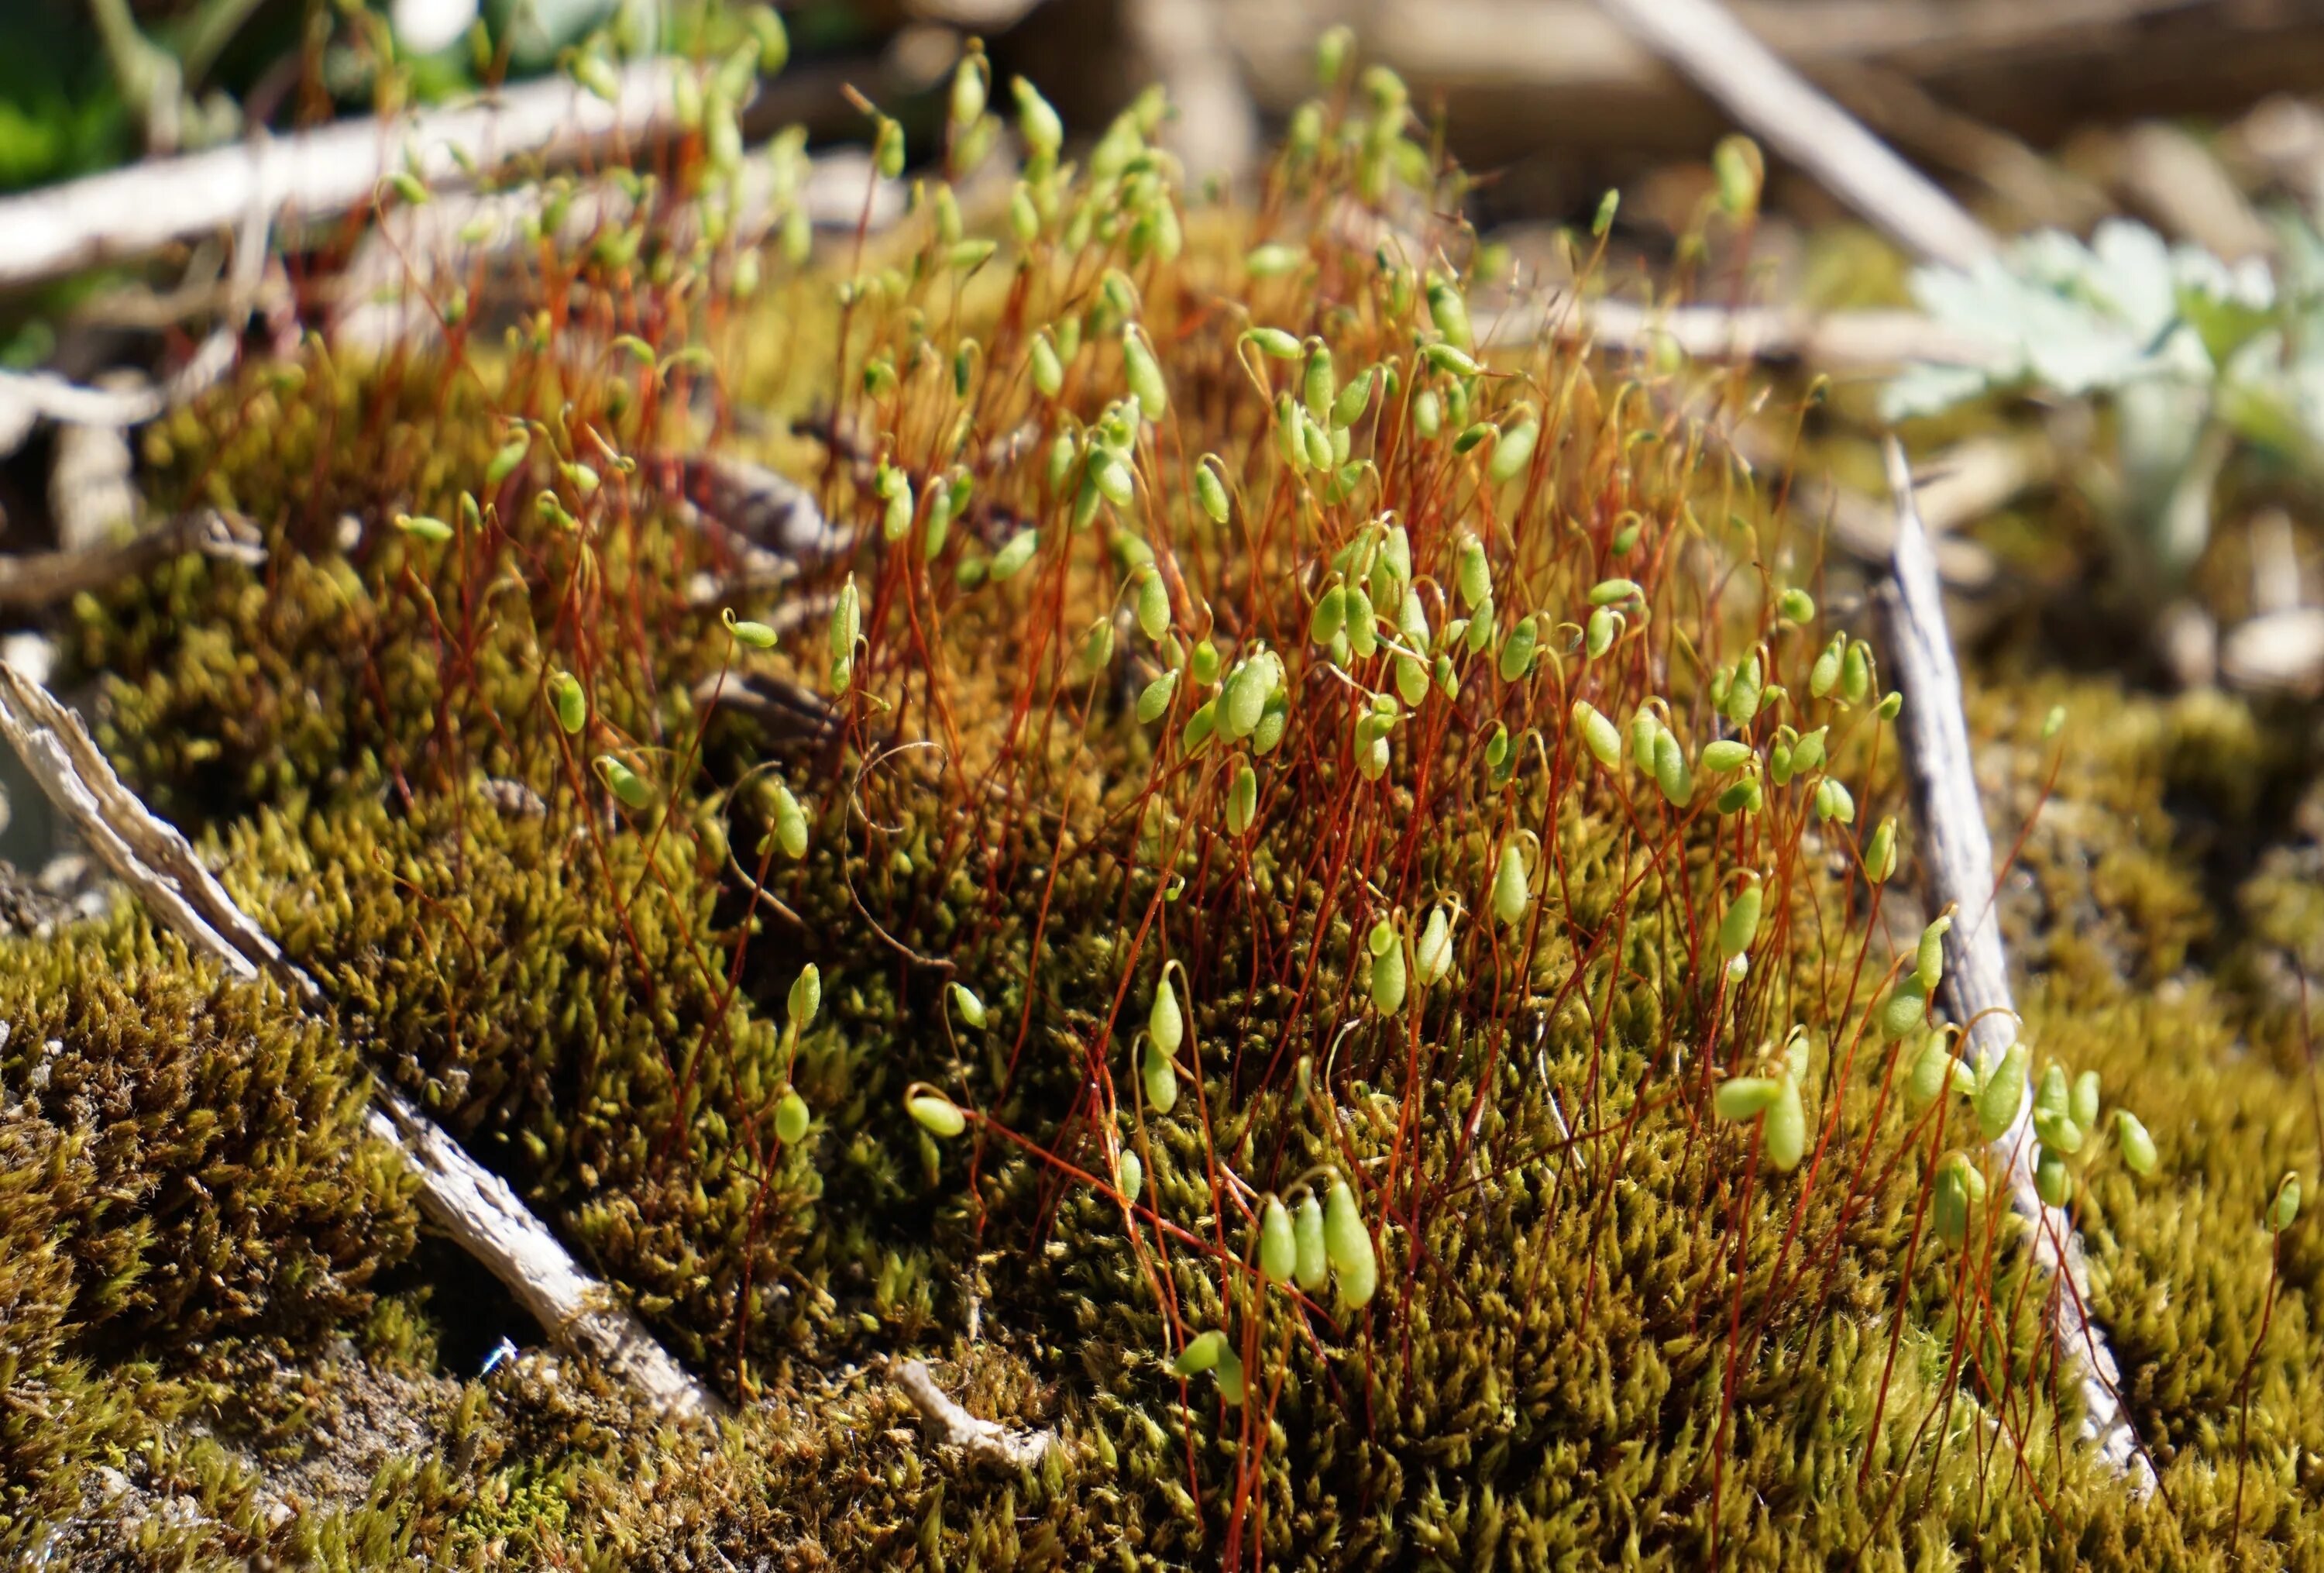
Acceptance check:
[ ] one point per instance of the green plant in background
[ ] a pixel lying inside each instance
(2196, 358)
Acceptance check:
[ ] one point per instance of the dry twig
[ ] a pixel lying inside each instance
(1728, 61)
(36, 580)
(314, 174)
(1956, 857)
(985, 1441)
(468, 1201)
(1838, 341)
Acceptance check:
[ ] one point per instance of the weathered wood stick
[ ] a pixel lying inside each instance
(469, 1202)
(1727, 61)
(1956, 857)
(985, 1441)
(313, 174)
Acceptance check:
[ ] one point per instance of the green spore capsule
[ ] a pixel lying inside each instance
(1743, 695)
(1510, 896)
(2001, 1095)
(1143, 372)
(1671, 772)
(1745, 1097)
(1433, 952)
(2138, 1155)
(1389, 979)
(1204, 662)
(1290, 434)
(1784, 1133)
(1604, 627)
(1130, 1177)
(791, 1117)
(1645, 727)
(633, 790)
(937, 1114)
(2082, 1104)
(1320, 387)
(1724, 755)
(1362, 626)
(1903, 1010)
(1161, 1079)
(2054, 1182)
(1880, 851)
(1598, 735)
(1741, 924)
(1949, 1207)
(1353, 400)
(1932, 1069)
(757, 636)
(1246, 697)
(805, 1000)
(1201, 1353)
(505, 461)
(2050, 1093)
(1518, 650)
(1824, 676)
(1349, 1245)
(1279, 1251)
(1049, 370)
(1833, 801)
(1312, 1266)
(571, 705)
(1473, 573)
(971, 1008)
(1228, 1375)
(1164, 1021)
(1929, 959)
(1095, 651)
(1243, 800)
(1807, 753)
(1514, 451)
(1153, 605)
(1795, 606)
(1856, 673)
(1742, 796)
(1330, 616)
(1015, 553)
(1211, 489)
(2057, 1131)
(1153, 699)
(1450, 312)
(790, 823)
(2285, 1211)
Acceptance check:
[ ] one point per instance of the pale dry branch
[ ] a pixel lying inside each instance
(984, 1441)
(1727, 61)
(33, 581)
(1956, 857)
(1837, 342)
(28, 396)
(468, 1201)
(314, 174)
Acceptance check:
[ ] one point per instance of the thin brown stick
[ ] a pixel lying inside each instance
(1956, 857)
(467, 1201)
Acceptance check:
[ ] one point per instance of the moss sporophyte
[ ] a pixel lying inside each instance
(1321, 882)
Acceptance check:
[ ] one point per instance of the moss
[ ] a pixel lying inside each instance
(1608, 1328)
